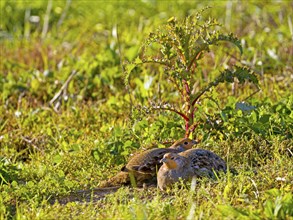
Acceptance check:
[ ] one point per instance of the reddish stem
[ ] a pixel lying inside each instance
(173, 110)
(194, 58)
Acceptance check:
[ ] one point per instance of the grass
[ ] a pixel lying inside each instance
(85, 136)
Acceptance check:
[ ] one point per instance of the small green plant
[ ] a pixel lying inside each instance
(8, 171)
(276, 205)
(179, 46)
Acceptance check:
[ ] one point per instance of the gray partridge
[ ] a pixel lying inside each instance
(143, 166)
(188, 164)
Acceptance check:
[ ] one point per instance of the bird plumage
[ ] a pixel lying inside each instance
(205, 162)
(144, 166)
(147, 161)
(188, 164)
(174, 168)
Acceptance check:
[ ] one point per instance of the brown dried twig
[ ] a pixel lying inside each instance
(61, 92)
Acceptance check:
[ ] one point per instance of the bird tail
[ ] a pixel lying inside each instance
(122, 178)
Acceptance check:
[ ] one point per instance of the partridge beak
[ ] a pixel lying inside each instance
(164, 160)
(195, 142)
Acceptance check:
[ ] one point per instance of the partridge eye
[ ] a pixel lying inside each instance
(185, 142)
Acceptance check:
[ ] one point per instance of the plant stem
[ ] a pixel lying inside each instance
(172, 110)
(194, 58)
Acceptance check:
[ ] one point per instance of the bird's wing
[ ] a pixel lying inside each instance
(205, 160)
(148, 161)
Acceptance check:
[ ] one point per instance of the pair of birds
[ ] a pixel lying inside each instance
(169, 165)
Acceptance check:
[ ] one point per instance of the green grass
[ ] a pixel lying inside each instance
(98, 123)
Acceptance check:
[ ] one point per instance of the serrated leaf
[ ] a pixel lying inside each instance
(230, 38)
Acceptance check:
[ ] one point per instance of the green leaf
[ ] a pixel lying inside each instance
(57, 159)
(230, 38)
(230, 211)
(265, 118)
(138, 61)
(35, 84)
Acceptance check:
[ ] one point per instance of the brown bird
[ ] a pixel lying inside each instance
(188, 164)
(144, 166)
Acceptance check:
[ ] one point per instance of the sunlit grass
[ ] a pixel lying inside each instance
(97, 123)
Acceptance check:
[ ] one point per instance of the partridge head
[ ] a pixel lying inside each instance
(183, 144)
